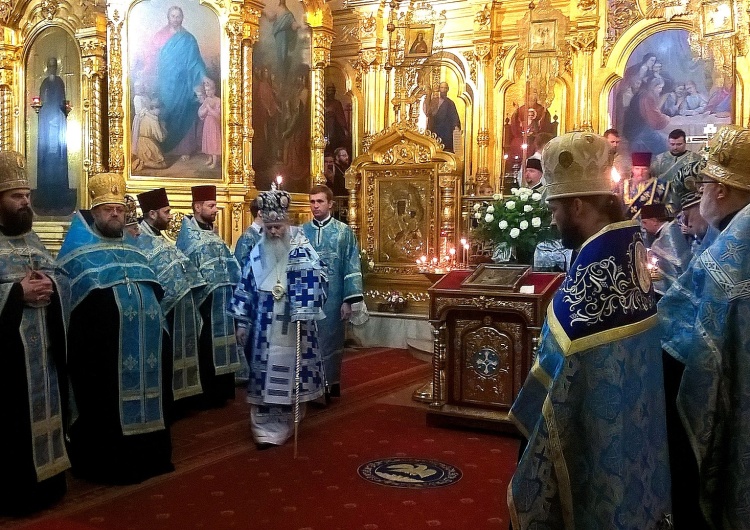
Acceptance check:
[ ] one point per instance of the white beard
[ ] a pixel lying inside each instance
(276, 250)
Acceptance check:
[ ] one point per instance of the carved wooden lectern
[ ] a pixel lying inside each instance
(486, 326)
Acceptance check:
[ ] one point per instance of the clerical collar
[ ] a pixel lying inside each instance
(155, 231)
(728, 219)
(204, 226)
(321, 224)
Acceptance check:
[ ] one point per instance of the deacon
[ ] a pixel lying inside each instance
(115, 343)
(642, 188)
(707, 333)
(283, 286)
(532, 175)
(670, 251)
(183, 286)
(197, 239)
(337, 247)
(592, 406)
(667, 165)
(33, 387)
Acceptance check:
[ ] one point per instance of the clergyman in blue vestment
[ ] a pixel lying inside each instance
(592, 407)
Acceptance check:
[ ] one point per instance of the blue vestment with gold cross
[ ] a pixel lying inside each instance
(592, 406)
(651, 191)
(220, 269)
(92, 263)
(182, 284)
(706, 326)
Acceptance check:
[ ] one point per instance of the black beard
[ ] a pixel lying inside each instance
(572, 237)
(18, 222)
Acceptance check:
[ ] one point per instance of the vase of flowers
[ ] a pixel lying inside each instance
(514, 223)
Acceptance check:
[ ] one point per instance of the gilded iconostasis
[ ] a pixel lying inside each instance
(408, 110)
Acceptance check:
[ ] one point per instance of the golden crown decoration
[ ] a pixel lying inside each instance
(107, 188)
(576, 164)
(729, 157)
(12, 171)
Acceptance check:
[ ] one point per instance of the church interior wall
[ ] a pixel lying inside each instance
(491, 54)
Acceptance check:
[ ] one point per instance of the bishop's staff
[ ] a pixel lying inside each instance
(297, 382)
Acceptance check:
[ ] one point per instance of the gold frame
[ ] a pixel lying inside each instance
(706, 17)
(412, 32)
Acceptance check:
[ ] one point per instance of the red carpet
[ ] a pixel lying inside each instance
(221, 481)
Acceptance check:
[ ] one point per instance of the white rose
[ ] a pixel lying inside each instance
(527, 208)
(525, 191)
(477, 206)
(515, 232)
(489, 218)
(496, 197)
(503, 224)
(524, 198)
(523, 225)
(514, 191)
(510, 205)
(536, 196)
(536, 222)
(490, 209)
(477, 215)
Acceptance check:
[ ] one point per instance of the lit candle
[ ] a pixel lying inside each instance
(36, 100)
(279, 180)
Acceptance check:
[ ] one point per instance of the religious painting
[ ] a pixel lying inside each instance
(53, 123)
(717, 17)
(281, 98)
(529, 122)
(338, 130)
(175, 90)
(403, 219)
(666, 87)
(419, 41)
(543, 36)
(503, 277)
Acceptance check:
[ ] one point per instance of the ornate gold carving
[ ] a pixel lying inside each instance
(248, 173)
(348, 33)
(115, 115)
(6, 123)
(540, 63)
(406, 153)
(367, 26)
(6, 7)
(322, 41)
(584, 41)
(666, 8)
(621, 15)
(237, 208)
(380, 296)
(484, 302)
(501, 54)
(483, 18)
(49, 8)
(235, 29)
(586, 5)
(472, 59)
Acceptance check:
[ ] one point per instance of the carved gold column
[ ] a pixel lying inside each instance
(583, 43)
(115, 113)
(353, 182)
(447, 211)
(93, 69)
(251, 19)
(322, 37)
(9, 57)
(235, 159)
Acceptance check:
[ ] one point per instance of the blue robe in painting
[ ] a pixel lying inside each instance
(337, 247)
(706, 320)
(220, 269)
(592, 406)
(180, 70)
(182, 284)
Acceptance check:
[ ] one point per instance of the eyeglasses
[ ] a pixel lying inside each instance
(694, 184)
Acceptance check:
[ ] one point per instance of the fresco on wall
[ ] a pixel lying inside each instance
(175, 90)
(281, 98)
(666, 87)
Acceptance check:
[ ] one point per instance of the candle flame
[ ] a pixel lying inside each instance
(615, 176)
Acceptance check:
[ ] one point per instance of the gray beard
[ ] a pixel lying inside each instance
(277, 249)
